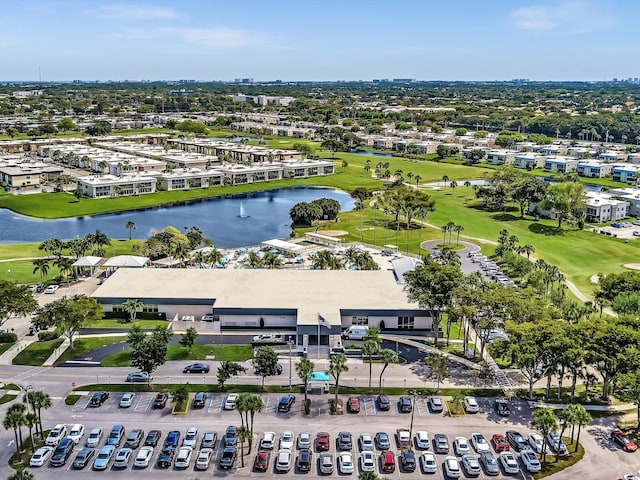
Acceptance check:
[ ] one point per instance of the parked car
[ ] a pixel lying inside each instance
(76, 432)
(287, 440)
(435, 404)
(517, 441)
(403, 438)
(353, 405)
(209, 440)
(183, 457)
(286, 402)
(199, 400)
(56, 434)
(382, 441)
(530, 461)
(94, 438)
(407, 461)
(115, 436)
(383, 402)
(230, 439)
(479, 443)
(502, 407)
(304, 441)
(366, 442)
(344, 441)
(622, 440)
(268, 339)
(197, 367)
(104, 457)
(367, 461)
(345, 463)
(283, 461)
(404, 405)
(305, 459)
(326, 463)
(451, 467)
(134, 438)
(500, 443)
(388, 462)
(204, 458)
(461, 446)
(152, 439)
(268, 441)
(83, 458)
(165, 459)
(471, 465)
(122, 458)
(127, 400)
(509, 463)
(143, 457)
(441, 443)
(51, 289)
(161, 400)
(471, 405)
(173, 438)
(556, 443)
(428, 463)
(536, 441)
(140, 377)
(191, 437)
(261, 463)
(230, 402)
(41, 456)
(98, 398)
(489, 463)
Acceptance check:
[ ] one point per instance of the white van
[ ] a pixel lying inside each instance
(355, 332)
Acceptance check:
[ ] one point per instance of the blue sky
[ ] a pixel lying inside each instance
(319, 40)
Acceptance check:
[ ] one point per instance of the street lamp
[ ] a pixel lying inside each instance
(291, 343)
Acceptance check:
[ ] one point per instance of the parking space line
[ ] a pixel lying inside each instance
(266, 405)
(82, 406)
(219, 405)
(210, 407)
(144, 403)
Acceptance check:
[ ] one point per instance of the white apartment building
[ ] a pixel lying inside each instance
(602, 207)
(105, 186)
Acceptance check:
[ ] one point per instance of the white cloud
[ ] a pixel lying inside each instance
(571, 16)
(214, 38)
(134, 12)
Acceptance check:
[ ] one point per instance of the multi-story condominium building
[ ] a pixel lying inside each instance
(560, 164)
(593, 169)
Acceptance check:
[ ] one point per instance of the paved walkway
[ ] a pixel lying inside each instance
(429, 349)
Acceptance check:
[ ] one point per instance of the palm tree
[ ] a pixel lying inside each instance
(387, 356)
(130, 226)
(304, 369)
(242, 407)
(417, 178)
(545, 422)
(453, 186)
(215, 257)
(445, 179)
(337, 366)
(132, 307)
(65, 266)
(254, 404)
(39, 400)
(13, 420)
(31, 420)
(444, 229)
(40, 265)
(253, 260)
(450, 227)
(242, 434)
(467, 184)
(528, 250)
(271, 261)
(100, 240)
(458, 229)
(21, 475)
(369, 349)
(582, 417)
(181, 253)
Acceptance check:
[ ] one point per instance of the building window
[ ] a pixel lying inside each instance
(150, 309)
(406, 323)
(359, 320)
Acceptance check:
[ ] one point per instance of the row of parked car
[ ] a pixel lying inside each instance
(490, 268)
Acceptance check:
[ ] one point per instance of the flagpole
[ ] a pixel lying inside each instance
(318, 335)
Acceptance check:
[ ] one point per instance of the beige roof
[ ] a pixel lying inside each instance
(312, 292)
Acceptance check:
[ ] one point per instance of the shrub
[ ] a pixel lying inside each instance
(8, 337)
(47, 335)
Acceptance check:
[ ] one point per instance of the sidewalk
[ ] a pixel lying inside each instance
(56, 353)
(7, 357)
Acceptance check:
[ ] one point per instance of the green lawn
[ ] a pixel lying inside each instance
(120, 359)
(144, 324)
(36, 353)
(5, 346)
(551, 466)
(87, 344)
(174, 352)
(232, 353)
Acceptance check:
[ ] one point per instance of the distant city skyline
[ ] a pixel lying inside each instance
(554, 40)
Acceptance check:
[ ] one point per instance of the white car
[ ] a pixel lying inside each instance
(509, 463)
(94, 438)
(537, 442)
(530, 461)
(204, 458)
(422, 440)
(230, 401)
(471, 405)
(283, 461)
(122, 458)
(304, 441)
(268, 441)
(56, 434)
(479, 443)
(287, 440)
(345, 463)
(367, 461)
(76, 433)
(452, 467)
(190, 438)
(557, 444)
(144, 456)
(127, 399)
(51, 289)
(461, 446)
(404, 438)
(428, 463)
(40, 457)
(366, 442)
(471, 465)
(183, 458)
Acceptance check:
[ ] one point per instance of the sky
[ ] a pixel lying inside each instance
(319, 39)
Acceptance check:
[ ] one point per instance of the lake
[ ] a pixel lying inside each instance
(266, 217)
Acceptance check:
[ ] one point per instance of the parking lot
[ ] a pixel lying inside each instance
(213, 417)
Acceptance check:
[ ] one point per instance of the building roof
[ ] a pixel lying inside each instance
(88, 261)
(126, 261)
(310, 292)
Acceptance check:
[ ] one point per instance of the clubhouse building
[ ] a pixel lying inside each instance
(301, 302)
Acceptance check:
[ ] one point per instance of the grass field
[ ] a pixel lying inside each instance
(232, 353)
(36, 353)
(144, 324)
(174, 352)
(87, 344)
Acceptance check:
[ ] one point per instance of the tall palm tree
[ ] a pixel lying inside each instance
(387, 356)
(272, 261)
(242, 434)
(445, 179)
(13, 420)
(253, 260)
(450, 227)
(337, 366)
(40, 265)
(39, 400)
(545, 422)
(242, 407)
(130, 226)
(304, 369)
(255, 404)
(21, 475)
(417, 178)
(181, 253)
(453, 186)
(467, 184)
(458, 229)
(369, 349)
(65, 267)
(31, 420)
(100, 240)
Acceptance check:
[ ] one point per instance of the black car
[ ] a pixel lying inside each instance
(404, 405)
(230, 439)
(304, 460)
(199, 400)
(165, 459)
(383, 402)
(153, 437)
(408, 461)
(62, 452)
(83, 458)
(502, 407)
(134, 438)
(286, 402)
(344, 441)
(517, 441)
(197, 368)
(228, 458)
(98, 398)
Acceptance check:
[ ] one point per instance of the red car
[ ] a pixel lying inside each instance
(388, 462)
(500, 443)
(323, 441)
(261, 462)
(353, 405)
(624, 441)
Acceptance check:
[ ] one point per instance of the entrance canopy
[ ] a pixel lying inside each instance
(87, 262)
(288, 247)
(126, 261)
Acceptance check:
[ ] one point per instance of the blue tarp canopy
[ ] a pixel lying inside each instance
(320, 377)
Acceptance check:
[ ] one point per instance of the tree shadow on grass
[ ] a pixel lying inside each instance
(505, 217)
(548, 230)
